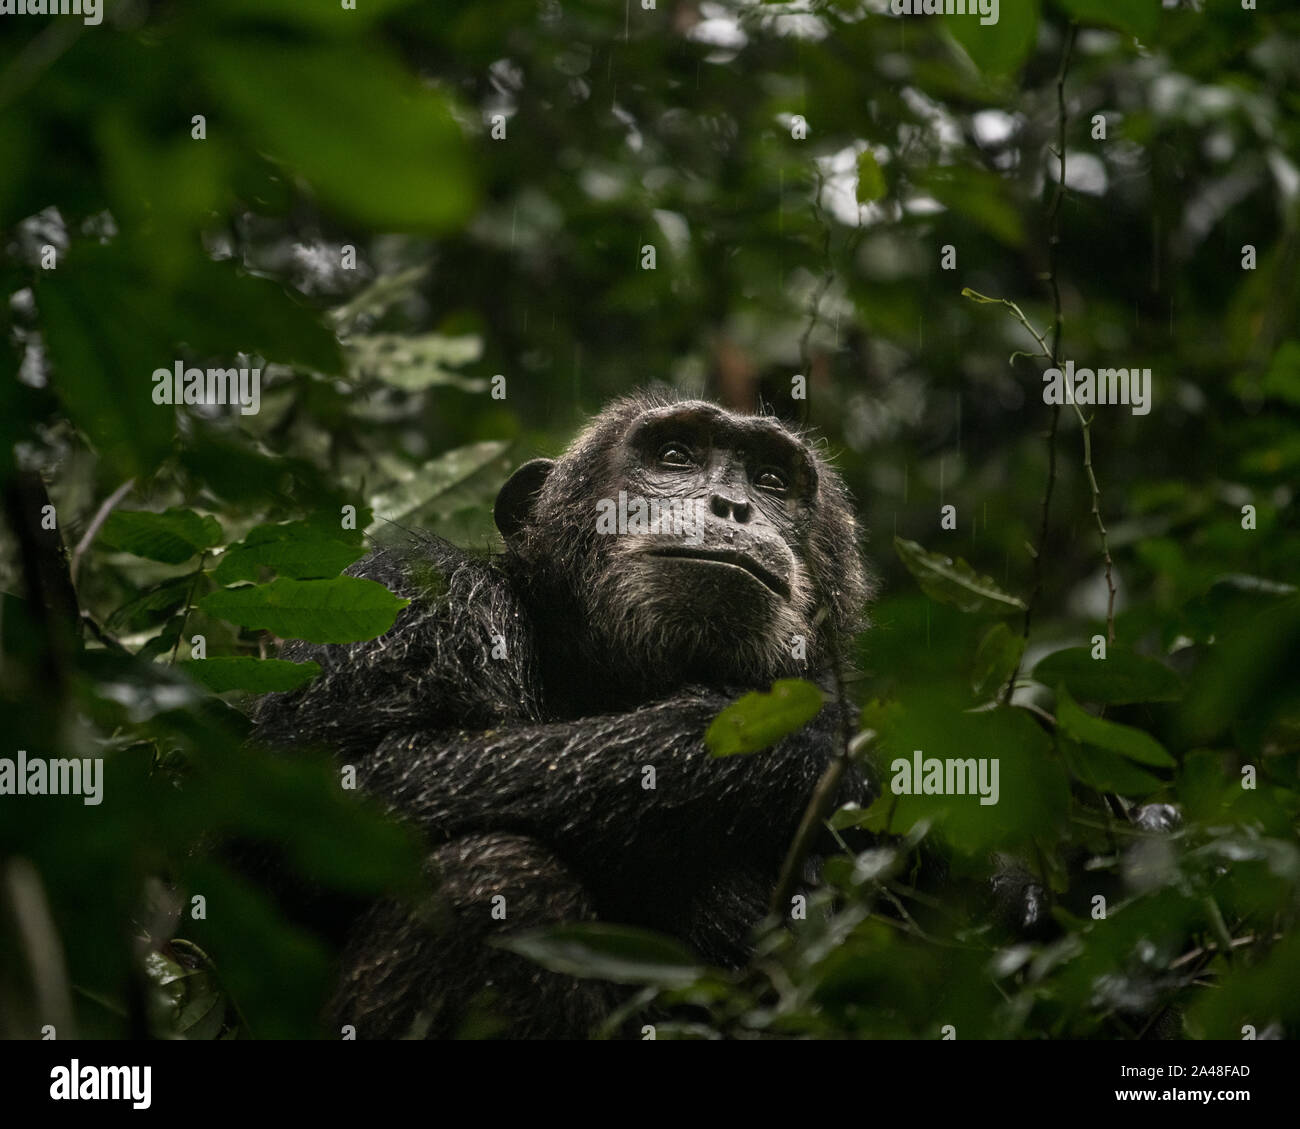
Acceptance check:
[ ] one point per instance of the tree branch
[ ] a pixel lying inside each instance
(96, 523)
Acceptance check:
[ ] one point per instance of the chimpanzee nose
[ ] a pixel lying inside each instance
(733, 508)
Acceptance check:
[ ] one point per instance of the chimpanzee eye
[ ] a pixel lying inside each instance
(676, 454)
(772, 480)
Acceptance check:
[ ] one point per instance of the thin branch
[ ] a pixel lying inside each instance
(1218, 926)
(819, 807)
(101, 635)
(1058, 326)
(1101, 526)
(97, 522)
(189, 607)
(1018, 314)
(1053, 249)
(1058, 194)
(1054, 355)
(823, 797)
(828, 275)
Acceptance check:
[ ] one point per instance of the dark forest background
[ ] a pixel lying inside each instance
(820, 182)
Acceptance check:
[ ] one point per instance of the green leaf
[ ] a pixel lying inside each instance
(370, 139)
(1105, 771)
(380, 296)
(1139, 17)
(240, 471)
(217, 309)
(299, 560)
(203, 1013)
(761, 719)
(436, 477)
(851, 815)
(954, 582)
(163, 180)
(871, 181)
(258, 675)
(1121, 677)
(1268, 986)
(1249, 674)
(102, 346)
(874, 818)
(996, 659)
(982, 197)
(113, 314)
(188, 1001)
(1282, 381)
(620, 953)
(274, 970)
(997, 48)
(1033, 795)
(415, 362)
(345, 609)
(152, 604)
(172, 536)
(320, 528)
(18, 143)
(165, 641)
(1123, 739)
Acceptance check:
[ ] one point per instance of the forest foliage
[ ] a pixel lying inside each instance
(871, 203)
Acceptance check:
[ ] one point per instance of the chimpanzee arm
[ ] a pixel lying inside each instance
(460, 654)
(580, 785)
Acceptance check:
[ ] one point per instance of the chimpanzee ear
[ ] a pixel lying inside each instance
(514, 505)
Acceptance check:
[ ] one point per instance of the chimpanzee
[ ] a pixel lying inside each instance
(516, 705)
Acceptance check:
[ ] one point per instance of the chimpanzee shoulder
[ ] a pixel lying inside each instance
(460, 655)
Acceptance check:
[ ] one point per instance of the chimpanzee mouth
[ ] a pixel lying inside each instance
(731, 558)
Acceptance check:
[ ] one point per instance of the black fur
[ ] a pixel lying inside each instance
(525, 771)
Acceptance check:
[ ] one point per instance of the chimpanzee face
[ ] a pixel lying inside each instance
(722, 499)
(682, 536)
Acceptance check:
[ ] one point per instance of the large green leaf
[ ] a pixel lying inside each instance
(219, 311)
(1121, 677)
(172, 536)
(871, 181)
(997, 48)
(954, 582)
(368, 137)
(1252, 993)
(1250, 674)
(152, 604)
(982, 197)
(345, 609)
(996, 659)
(381, 295)
(1140, 17)
(295, 550)
(1032, 788)
(1123, 739)
(1282, 381)
(1105, 771)
(422, 485)
(761, 719)
(103, 344)
(415, 362)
